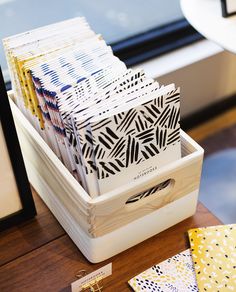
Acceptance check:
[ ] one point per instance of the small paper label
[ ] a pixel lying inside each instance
(92, 278)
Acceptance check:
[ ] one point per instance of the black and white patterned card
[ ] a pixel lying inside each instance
(81, 123)
(131, 143)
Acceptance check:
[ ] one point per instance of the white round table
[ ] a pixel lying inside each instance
(218, 183)
(206, 17)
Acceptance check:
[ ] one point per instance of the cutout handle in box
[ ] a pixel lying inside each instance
(147, 196)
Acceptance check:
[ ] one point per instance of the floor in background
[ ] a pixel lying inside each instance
(218, 183)
(222, 140)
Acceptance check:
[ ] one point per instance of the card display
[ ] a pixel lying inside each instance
(109, 125)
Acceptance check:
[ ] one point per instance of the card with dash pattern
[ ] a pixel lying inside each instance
(214, 256)
(174, 274)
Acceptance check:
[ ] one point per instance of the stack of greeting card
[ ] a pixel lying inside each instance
(210, 264)
(109, 125)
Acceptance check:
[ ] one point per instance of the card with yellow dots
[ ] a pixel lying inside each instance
(213, 252)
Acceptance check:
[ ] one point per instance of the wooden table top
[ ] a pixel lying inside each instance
(38, 255)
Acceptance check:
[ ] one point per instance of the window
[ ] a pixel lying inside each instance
(137, 30)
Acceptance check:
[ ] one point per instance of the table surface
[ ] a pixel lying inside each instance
(38, 256)
(206, 17)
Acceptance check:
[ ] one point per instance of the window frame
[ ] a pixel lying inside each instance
(152, 43)
(155, 42)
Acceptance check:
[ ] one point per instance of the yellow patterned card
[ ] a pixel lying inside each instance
(175, 274)
(214, 255)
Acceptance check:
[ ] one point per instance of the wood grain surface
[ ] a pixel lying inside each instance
(186, 180)
(20, 240)
(52, 265)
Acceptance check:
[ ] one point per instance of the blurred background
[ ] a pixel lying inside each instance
(115, 20)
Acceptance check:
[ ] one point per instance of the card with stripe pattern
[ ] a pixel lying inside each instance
(129, 142)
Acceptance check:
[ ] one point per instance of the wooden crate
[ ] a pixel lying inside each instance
(92, 223)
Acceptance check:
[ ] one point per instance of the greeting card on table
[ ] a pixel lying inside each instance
(214, 255)
(174, 274)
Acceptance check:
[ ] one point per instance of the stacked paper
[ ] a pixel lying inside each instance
(108, 124)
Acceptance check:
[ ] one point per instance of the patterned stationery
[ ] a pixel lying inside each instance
(122, 84)
(67, 81)
(133, 143)
(174, 274)
(214, 256)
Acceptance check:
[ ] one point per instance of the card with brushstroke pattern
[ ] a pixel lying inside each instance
(122, 82)
(136, 141)
(138, 138)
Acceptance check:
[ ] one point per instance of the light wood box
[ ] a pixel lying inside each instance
(105, 226)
